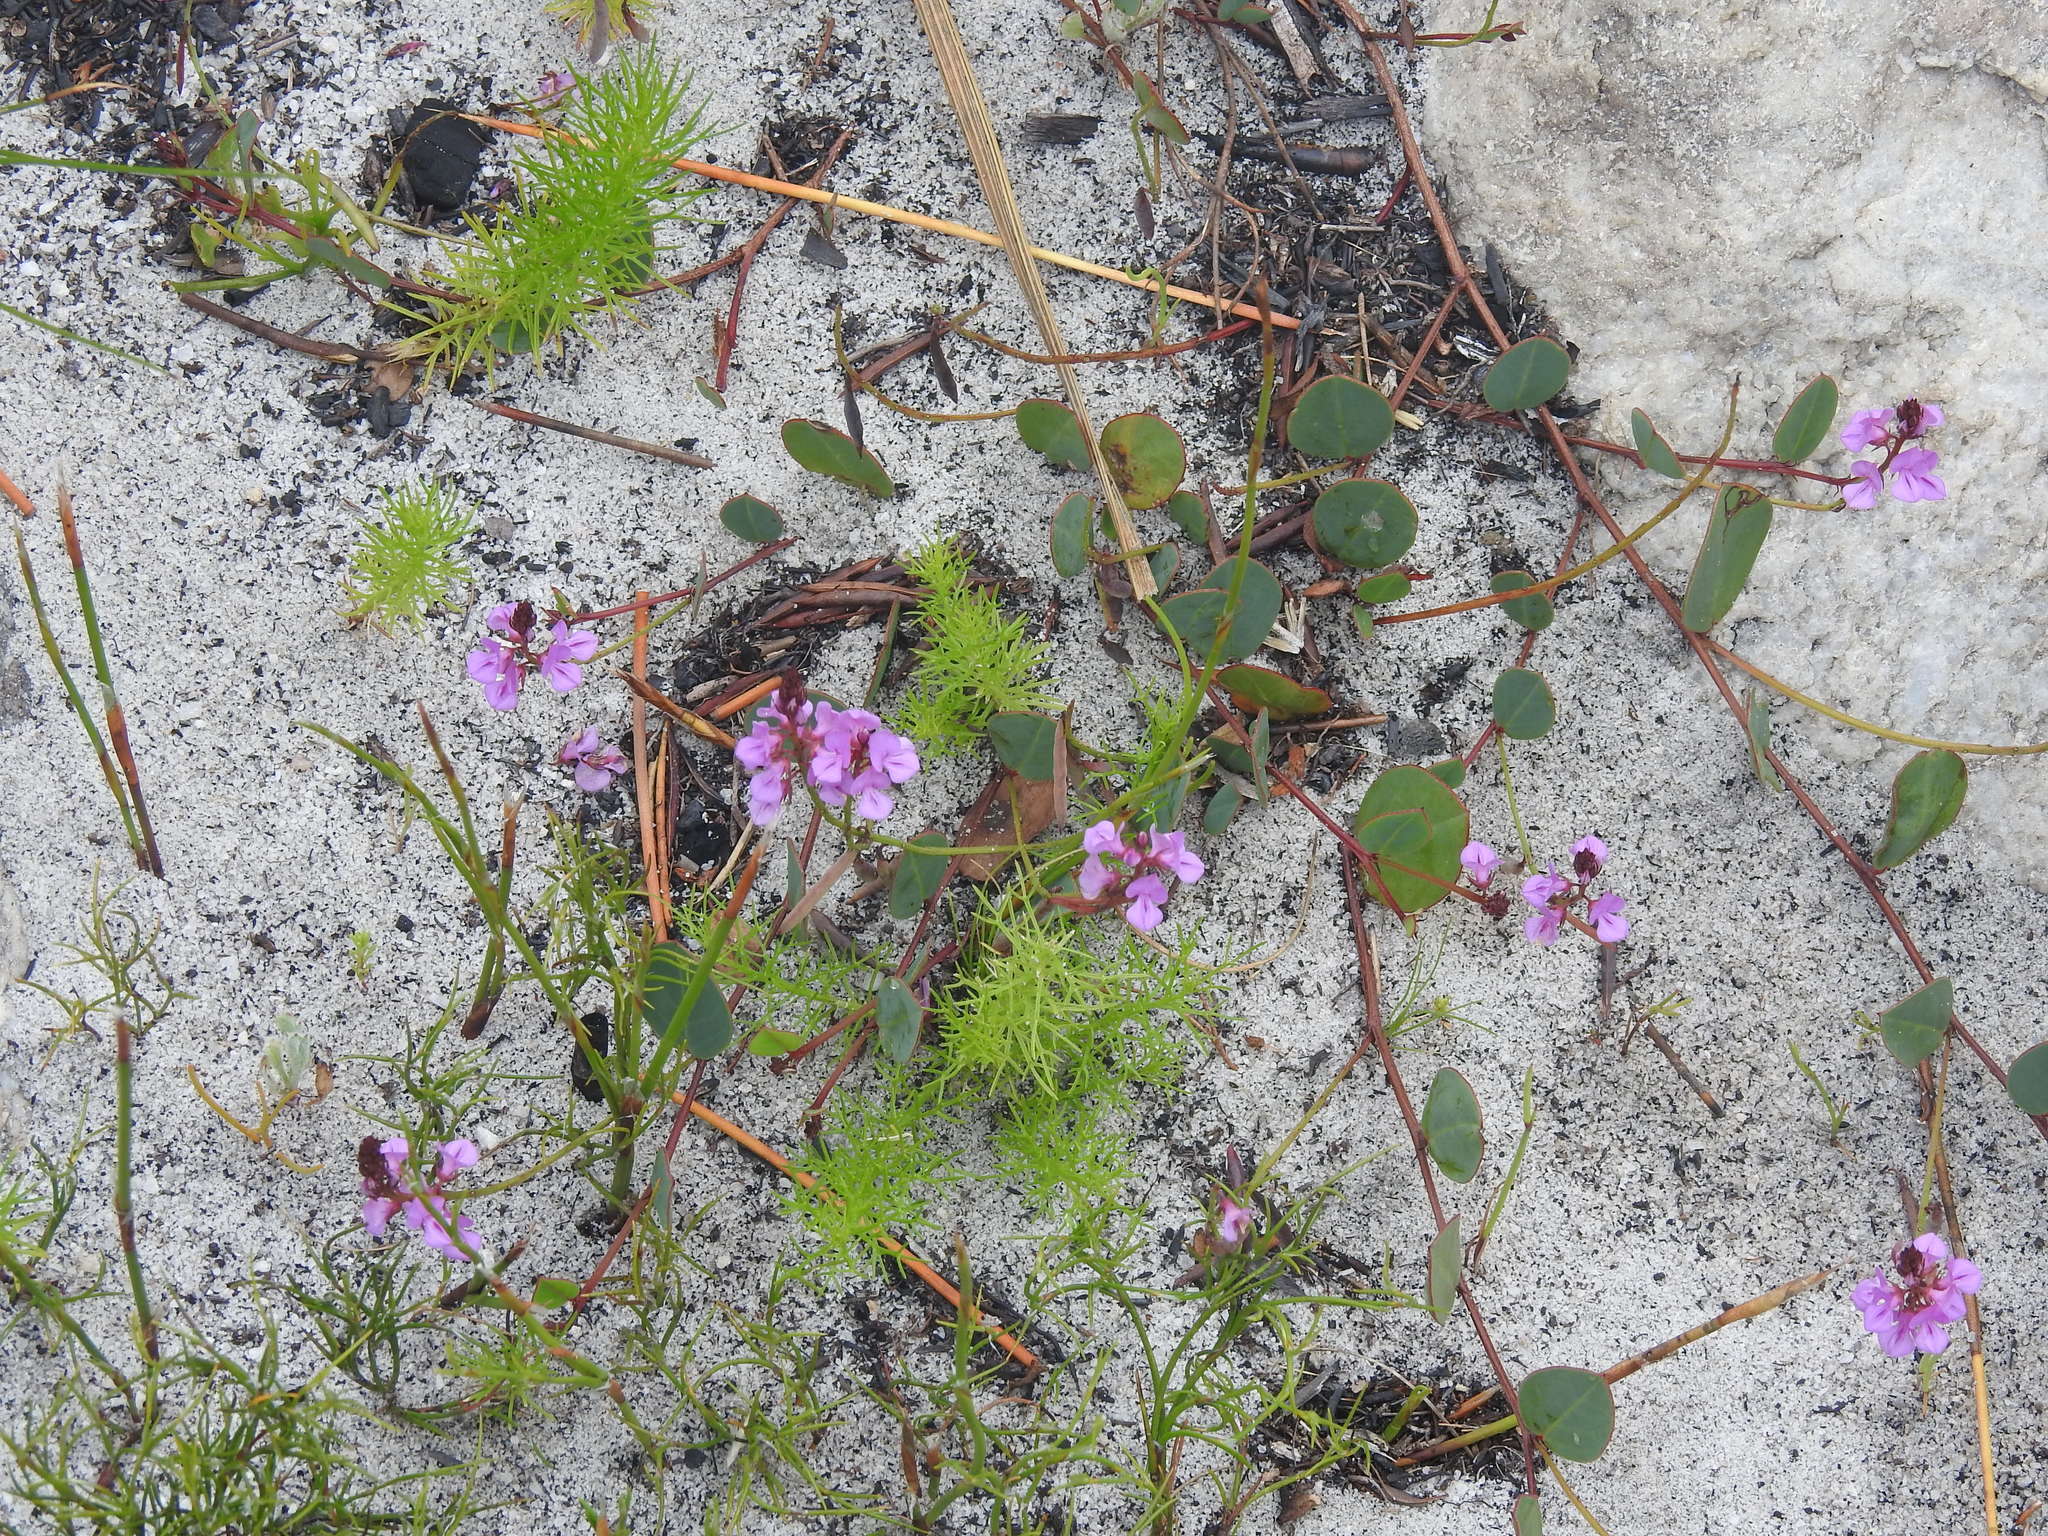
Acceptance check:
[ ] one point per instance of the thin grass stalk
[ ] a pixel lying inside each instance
(124, 1162)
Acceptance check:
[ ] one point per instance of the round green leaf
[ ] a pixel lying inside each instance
(773, 1042)
(1398, 801)
(1446, 1265)
(1655, 453)
(1364, 522)
(1025, 742)
(1528, 1515)
(751, 519)
(1146, 457)
(918, 875)
(1255, 688)
(1913, 1027)
(1070, 535)
(825, 450)
(1451, 770)
(1572, 1410)
(1050, 428)
(898, 1018)
(1735, 534)
(1196, 616)
(1189, 516)
(1340, 418)
(1387, 587)
(1451, 1126)
(552, 1291)
(1163, 562)
(708, 1031)
(1532, 612)
(1527, 374)
(1522, 705)
(1926, 794)
(663, 986)
(2027, 1082)
(1221, 810)
(1806, 421)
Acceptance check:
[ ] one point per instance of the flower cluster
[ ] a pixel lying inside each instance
(522, 646)
(596, 762)
(387, 1193)
(1913, 1312)
(1552, 896)
(1234, 1226)
(1911, 469)
(843, 754)
(1137, 877)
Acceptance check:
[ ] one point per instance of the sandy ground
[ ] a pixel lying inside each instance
(217, 511)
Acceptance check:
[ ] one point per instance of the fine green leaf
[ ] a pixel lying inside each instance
(1025, 742)
(918, 875)
(1522, 705)
(1253, 688)
(773, 1042)
(1926, 794)
(1451, 1126)
(752, 519)
(1451, 771)
(1656, 453)
(898, 1018)
(1572, 1410)
(1197, 616)
(1527, 374)
(1528, 1517)
(1221, 810)
(1533, 612)
(1735, 533)
(1387, 587)
(1050, 428)
(1340, 418)
(825, 450)
(2027, 1082)
(1913, 1027)
(552, 1291)
(1070, 535)
(1806, 421)
(709, 1030)
(1364, 522)
(1757, 718)
(1189, 516)
(1146, 457)
(1410, 806)
(1446, 1263)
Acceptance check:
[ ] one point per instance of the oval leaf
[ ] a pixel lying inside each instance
(918, 876)
(1221, 810)
(1913, 1027)
(1451, 1126)
(1189, 516)
(1652, 449)
(1735, 533)
(1528, 1517)
(552, 1291)
(1533, 612)
(709, 1030)
(1413, 796)
(1070, 535)
(1050, 428)
(1363, 522)
(1451, 770)
(773, 1042)
(751, 519)
(1025, 742)
(1572, 1410)
(898, 1018)
(1387, 587)
(825, 450)
(1528, 374)
(1255, 688)
(2027, 1082)
(1196, 616)
(1446, 1264)
(1926, 795)
(1522, 705)
(1146, 458)
(663, 986)
(1806, 421)
(1340, 418)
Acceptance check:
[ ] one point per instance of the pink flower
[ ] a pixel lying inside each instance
(596, 763)
(1146, 907)
(1543, 926)
(1913, 476)
(1479, 862)
(559, 663)
(1169, 851)
(1609, 926)
(1589, 857)
(774, 751)
(1868, 427)
(1542, 890)
(1145, 857)
(389, 1193)
(502, 664)
(1861, 492)
(860, 759)
(1914, 1311)
(1233, 1225)
(1918, 417)
(554, 85)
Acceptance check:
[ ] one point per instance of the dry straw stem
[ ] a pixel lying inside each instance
(910, 1261)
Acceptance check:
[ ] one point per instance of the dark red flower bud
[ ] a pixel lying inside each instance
(1496, 904)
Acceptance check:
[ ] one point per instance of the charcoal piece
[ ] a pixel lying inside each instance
(598, 1026)
(1410, 739)
(440, 154)
(1060, 128)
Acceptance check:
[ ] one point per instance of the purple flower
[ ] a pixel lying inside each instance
(596, 763)
(559, 664)
(1543, 926)
(774, 752)
(502, 664)
(1146, 859)
(1589, 857)
(1913, 476)
(388, 1193)
(1868, 427)
(1146, 907)
(1609, 926)
(1914, 1311)
(1169, 851)
(1542, 890)
(1233, 1226)
(1861, 492)
(554, 85)
(1479, 862)
(1918, 417)
(859, 759)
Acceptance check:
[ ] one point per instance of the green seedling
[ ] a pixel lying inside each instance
(401, 564)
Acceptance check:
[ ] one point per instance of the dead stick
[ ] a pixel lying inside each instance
(592, 434)
(643, 787)
(645, 693)
(1671, 1055)
(728, 338)
(291, 341)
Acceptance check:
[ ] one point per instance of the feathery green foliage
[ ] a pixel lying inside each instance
(400, 566)
(582, 226)
(975, 663)
(877, 1166)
